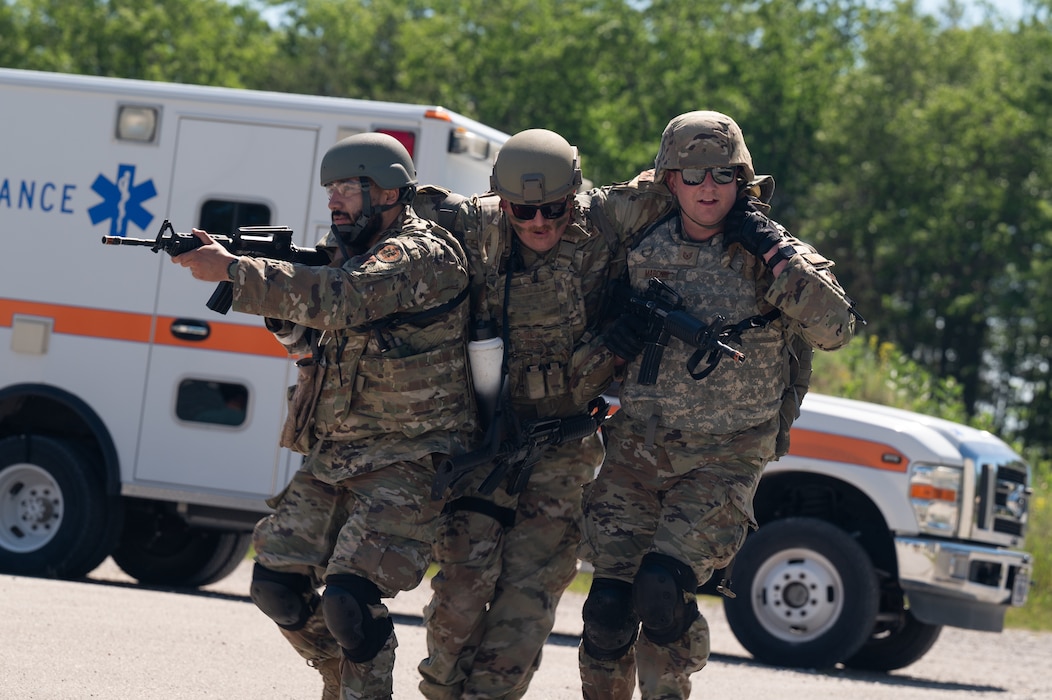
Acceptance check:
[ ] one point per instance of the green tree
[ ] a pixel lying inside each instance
(513, 64)
(210, 42)
(770, 65)
(932, 208)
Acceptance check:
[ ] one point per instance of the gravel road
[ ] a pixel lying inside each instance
(109, 638)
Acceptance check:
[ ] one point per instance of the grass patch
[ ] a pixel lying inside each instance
(581, 583)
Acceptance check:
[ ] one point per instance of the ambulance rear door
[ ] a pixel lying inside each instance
(215, 394)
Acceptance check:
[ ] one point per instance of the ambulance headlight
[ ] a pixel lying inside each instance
(137, 123)
(935, 494)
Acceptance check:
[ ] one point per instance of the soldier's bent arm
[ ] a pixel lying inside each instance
(400, 274)
(813, 302)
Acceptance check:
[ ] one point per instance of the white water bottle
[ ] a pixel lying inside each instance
(486, 356)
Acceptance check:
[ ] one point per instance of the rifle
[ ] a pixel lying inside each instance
(514, 448)
(661, 307)
(273, 242)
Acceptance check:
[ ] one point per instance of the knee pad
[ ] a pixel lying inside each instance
(345, 605)
(610, 624)
(287, 599)
(659, 593)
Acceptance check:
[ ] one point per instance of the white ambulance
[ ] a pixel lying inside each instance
(134, 421)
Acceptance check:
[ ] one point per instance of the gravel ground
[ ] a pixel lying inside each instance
(109, 638)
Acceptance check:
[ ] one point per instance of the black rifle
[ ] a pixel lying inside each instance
(273, 242)
(514, 448)
(661, 307)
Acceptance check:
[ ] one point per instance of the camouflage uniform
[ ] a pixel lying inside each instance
(506, 559)
(684, 457)
(390, 400)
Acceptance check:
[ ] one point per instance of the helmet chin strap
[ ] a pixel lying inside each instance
(358, 233)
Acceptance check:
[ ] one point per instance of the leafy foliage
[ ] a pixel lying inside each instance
(870, 370)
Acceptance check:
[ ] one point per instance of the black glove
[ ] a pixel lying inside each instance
(747, 225)
(625, 336)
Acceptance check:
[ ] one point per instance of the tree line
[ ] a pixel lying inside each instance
(913, 149)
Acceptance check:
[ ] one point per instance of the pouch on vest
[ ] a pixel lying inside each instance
(591, 371)
(297, 433)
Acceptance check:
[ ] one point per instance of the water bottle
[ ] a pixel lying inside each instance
(486, 355)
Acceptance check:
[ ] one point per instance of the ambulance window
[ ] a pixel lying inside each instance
(203, 401)
(406, 138)
(225, 217)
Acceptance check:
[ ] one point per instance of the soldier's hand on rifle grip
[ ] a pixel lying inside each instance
(625, 336)
(747, 225)
(209, 262)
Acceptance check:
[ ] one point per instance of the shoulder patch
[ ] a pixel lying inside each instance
(390, 253)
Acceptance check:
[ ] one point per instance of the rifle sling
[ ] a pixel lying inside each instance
(734, 333)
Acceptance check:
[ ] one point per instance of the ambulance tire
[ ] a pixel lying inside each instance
(56, 520)
(158, 548)
(895, 644)
(806, 594)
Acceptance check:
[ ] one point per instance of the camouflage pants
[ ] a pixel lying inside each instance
(686, 496)
(379, 525)
(494, 600)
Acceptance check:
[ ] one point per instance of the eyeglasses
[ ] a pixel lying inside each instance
(696, 176)
(551, 210)
(344, 188)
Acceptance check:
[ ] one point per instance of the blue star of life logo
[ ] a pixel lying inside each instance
(122, 201)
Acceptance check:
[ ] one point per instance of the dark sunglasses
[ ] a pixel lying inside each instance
(551, 210)
(696, 176)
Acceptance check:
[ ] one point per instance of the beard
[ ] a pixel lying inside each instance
(357, 235)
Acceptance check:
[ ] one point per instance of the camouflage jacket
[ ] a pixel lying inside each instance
(716, 280)
(390, 387)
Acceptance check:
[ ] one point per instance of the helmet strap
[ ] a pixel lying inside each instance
(358, 233)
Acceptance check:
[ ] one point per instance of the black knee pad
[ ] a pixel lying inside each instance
(345, 606)
(658, 595)
(610, 624)
(287, 599)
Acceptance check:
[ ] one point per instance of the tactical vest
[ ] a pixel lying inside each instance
(712, 282)
(405, 374)
(551, 306)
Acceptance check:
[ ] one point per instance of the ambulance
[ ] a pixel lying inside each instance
(135, 422)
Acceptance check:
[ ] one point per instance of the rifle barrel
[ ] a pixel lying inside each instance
(121, 240)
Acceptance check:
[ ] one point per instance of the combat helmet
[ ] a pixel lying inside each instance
(380, 157)
(368, 157)
(534, 167)
(703, 140)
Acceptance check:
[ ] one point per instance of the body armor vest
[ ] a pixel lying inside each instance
(712, 282)
(553, 300)
(408, 377)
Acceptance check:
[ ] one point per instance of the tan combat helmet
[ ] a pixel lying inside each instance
(380, 157)
(536, 166)
(703, 140)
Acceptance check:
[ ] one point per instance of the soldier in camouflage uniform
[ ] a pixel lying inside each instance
(540, 266)
(673, 501)
(383, 394)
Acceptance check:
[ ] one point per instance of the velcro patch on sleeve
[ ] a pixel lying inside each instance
(390, 253)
